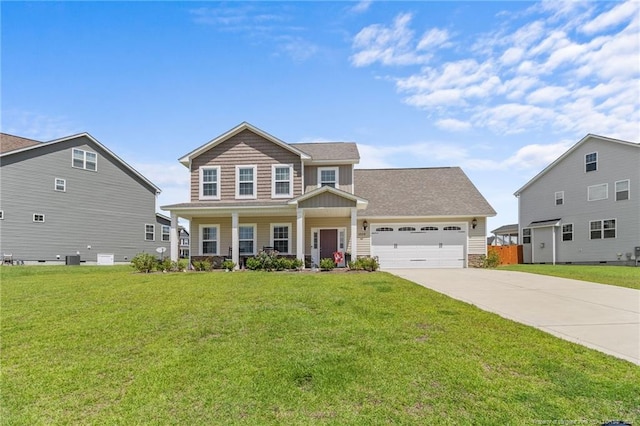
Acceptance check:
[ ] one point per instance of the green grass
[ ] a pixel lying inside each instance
(91, 345)
(622, 276)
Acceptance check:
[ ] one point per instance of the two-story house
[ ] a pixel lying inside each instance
(73, 196)
(585, 206)
(251, 190)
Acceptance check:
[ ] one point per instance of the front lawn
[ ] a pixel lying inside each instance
(103, 345)
(622, 276)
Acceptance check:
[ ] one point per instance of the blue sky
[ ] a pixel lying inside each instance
(500, 89)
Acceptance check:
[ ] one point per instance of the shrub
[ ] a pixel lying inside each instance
(270, 261)
(296, 264)
(365, 264)
(182, 265)
(327, 264)
(492, 260)
(229, 265)
(165, 265)
(201, 265)
(144, 262)
(253, 264)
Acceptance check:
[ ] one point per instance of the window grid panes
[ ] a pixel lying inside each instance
(37, 217)
(166, 229)
(567, 232)
(526, 236)
(60, 185)
(328, 178)
(210, 240)
(591, 162)
(149, 232)
(281, 239)
(245, 181)
(609, 228)
(85, 160)
(282, 180)
(622, 190)
(210, 182)
(597, 192)
(559, 198)
(246, 244)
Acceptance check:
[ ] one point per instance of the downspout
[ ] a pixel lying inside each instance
(553, 245)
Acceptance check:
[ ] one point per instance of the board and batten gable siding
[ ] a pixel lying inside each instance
(105, 209)
(245, 149)
(263, 232)
(616, 162)
(345, 177)
(327, 200)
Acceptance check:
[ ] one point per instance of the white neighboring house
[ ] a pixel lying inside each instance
(585, 206)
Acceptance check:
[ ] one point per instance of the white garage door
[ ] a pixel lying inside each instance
(419, 245)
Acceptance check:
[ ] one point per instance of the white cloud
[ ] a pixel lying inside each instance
(621, 13)
(361, 6)
(37, 126)
(540, 74)
(538, 156)
(387, 45)
(453, 124)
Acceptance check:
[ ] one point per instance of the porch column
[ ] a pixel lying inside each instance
(553, 245)
(235, 240)
(174, 238)
(300, 236)
(354, 233)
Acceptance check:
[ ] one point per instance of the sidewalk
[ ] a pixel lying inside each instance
(601, 317)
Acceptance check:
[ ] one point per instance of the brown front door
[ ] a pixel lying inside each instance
(328, 243)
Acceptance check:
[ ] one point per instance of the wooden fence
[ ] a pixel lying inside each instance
(509, 255)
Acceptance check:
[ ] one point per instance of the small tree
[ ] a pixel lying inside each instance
(144, 262)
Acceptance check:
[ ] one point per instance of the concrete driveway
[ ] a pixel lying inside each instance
(601, 317)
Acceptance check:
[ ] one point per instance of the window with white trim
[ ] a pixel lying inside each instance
(86, 160)
(246, 181)
(559, 198)
(166, 232)
(149, 232)
(38, 217)
(598, 192)
(281, 237)
(567, 232)
(281, 181)
(341, 239)
(328, 176)
(210, 183)
(622, 190)
(247, 239)
(599, 229)
(526, 235)
(209, 239)
(60, 185)
(591, 162)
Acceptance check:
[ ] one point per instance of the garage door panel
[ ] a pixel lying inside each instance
(419, 249)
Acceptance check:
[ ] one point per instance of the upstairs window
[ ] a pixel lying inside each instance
(598, 192)
(591, 162)
(245, 181)
(559, 198)
(86, 160)
(166, 232)
(149, 232)
(622, 190)
(526, 236)
(281, 181)
(60, 185)
(209, 183)
(38, 217)
(567, 232)
(328, 176)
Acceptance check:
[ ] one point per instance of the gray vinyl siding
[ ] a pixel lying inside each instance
(345, 177)
(105, 209)
(616, 162)
(246, 149)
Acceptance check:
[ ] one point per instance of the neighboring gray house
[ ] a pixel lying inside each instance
(250, 190)
(184, 243)
(585, 206)
(72, 196)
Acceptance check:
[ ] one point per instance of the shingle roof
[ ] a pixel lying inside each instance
(330, 151)
(440, 191)
(10, 142)
(511, 229)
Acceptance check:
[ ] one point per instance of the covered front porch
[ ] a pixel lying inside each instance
(310, 227)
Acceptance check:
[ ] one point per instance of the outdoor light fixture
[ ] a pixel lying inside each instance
(474, 223)
(365, 225)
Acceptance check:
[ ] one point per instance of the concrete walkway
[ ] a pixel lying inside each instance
(601, 317)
